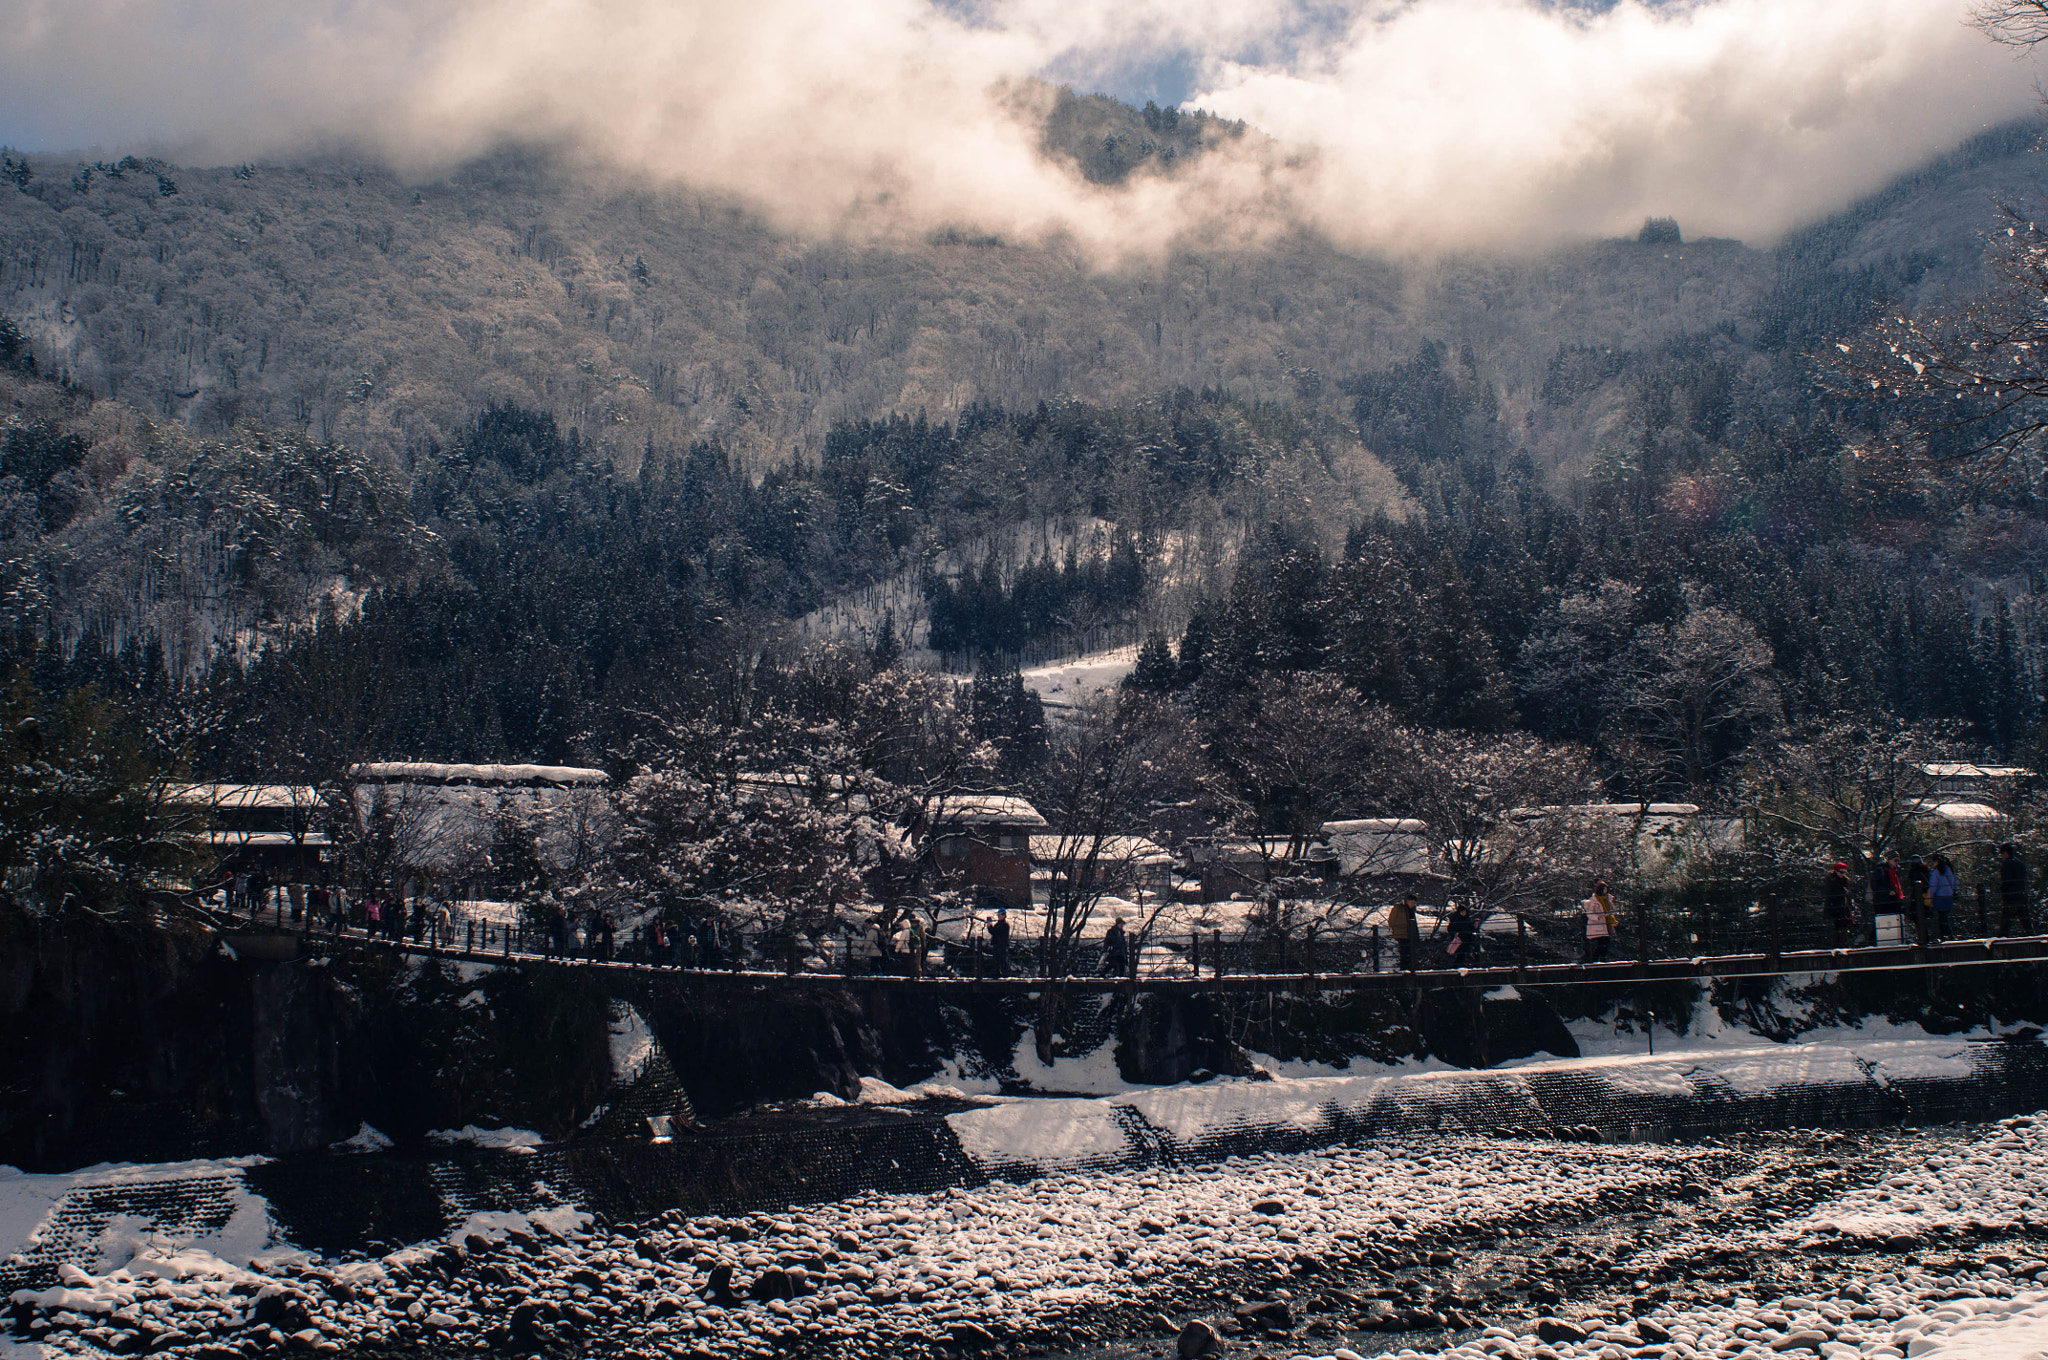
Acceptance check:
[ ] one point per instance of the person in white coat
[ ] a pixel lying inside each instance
(1601, 922)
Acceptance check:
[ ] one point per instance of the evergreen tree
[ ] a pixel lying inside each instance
(1155, 671)
(1011, 718)
(887, 651)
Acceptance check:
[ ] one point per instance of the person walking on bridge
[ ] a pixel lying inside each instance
(1941, 896)
(920, 945)
(1116, 950)
(1601, 922)
(1887, 891)
(1838, 904)
(1402, 926)
(2012, 891)
(999, 943)
(1463, 946)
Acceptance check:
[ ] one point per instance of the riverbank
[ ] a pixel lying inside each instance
(1296, 1215)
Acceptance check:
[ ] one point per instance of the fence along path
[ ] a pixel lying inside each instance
(1207, 965)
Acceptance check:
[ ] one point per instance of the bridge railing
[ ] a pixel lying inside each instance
(1711, 924)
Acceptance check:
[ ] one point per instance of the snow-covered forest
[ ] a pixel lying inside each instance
(1597, 514)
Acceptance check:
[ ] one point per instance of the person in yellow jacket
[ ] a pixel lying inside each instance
(1601, 922)
(1401, 924)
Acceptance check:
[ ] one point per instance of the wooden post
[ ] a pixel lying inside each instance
(1375, 948)
(1983, 916)
(1777, 931)
(1216, 951)
(1521, 942)
(1643, 932)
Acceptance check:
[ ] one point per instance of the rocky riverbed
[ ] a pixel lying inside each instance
(1831, 1243)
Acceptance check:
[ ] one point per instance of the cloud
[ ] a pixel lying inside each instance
(1431, 122)
(1479, 120)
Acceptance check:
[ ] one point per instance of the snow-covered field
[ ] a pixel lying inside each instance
(1068, 683)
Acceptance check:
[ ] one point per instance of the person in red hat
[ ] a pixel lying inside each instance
(1840, 905)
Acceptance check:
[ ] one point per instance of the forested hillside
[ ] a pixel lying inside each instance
(340, 299)
(304, 464)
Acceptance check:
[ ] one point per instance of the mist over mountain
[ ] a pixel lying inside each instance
(551, 446)
(343, 299)
(1395, 124)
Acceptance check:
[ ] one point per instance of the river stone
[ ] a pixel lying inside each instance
(719, 1286)
(773, 1283)
(1273, 1313)
(1651, 1332)
(1557, 1329)
(1197, 1339)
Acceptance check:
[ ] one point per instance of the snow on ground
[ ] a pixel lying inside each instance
(633, 1044)
(508, 1138)
(367, 1138)
(1315, 1099)
(878, 1273)
(1999, 1183)
(231, 1228)
(888, 1271)
(886, 1268)
(1067, 683)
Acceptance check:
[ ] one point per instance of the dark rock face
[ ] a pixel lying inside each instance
(1164, 1040)
(1466, 1029)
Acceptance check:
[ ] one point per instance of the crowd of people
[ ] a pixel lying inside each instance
(1919, 894)
(1901, 899)
(394, 913)
(1898, 902)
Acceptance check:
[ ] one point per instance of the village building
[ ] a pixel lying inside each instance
(449, 823)
(1133, 867)
(1971, 794)
(276, 828)
(1227, 867)
(984, 841)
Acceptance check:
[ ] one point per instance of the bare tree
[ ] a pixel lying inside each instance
(1499, 814)
(2014, 23)
(1973, 377)
(1306, 747)
(1698, 689)
(1112, 762)
(1848, 789)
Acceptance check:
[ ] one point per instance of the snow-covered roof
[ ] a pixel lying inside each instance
(1379, 845)
(1254, 851)
(1960, 811)
(1377, 826)
(1609, 810)
(280, 796)
(986, 809)
(1962, 769)
(1113, 849)
(432, 772)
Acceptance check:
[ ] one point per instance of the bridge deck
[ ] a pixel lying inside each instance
(283, 946)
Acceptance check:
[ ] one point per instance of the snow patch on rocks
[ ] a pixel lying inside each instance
(509, 1139)
(633, 1043)
(365, 1139)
